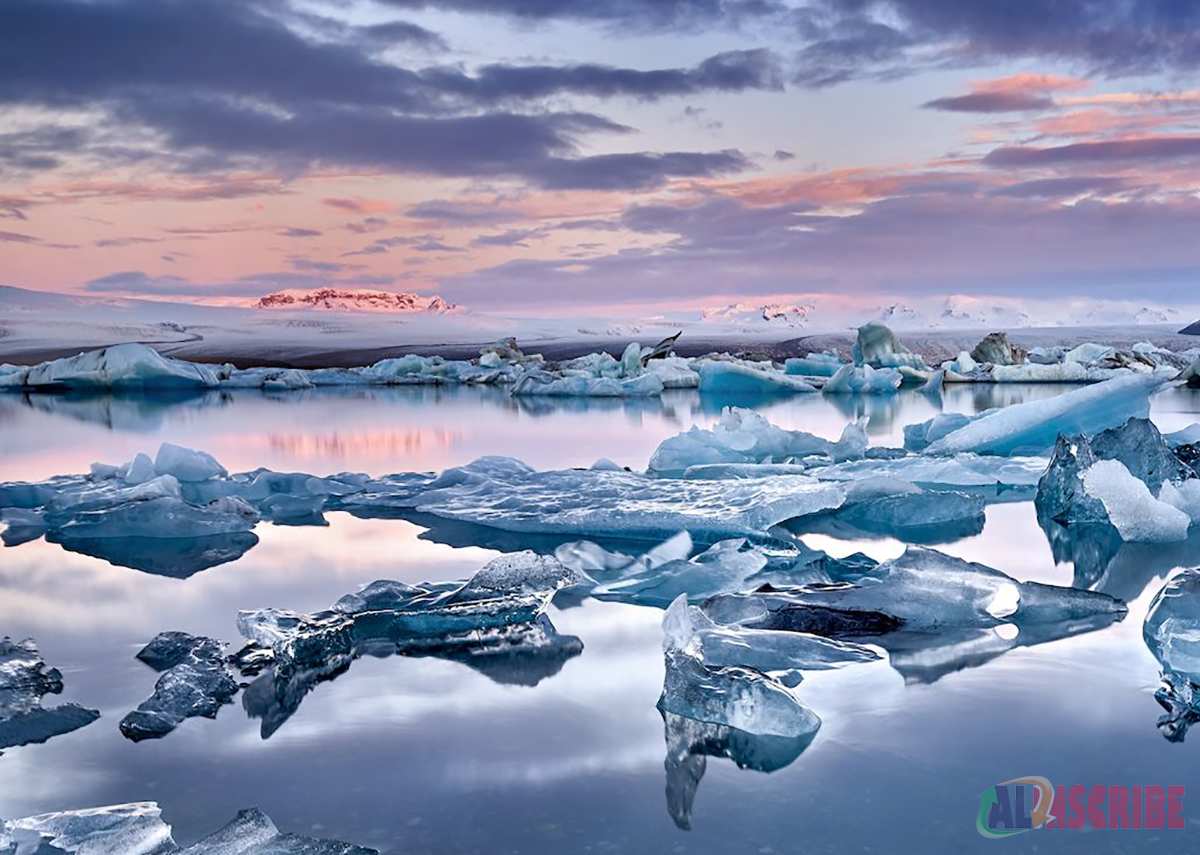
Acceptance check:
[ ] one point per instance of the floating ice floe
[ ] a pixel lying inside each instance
(138, 829)
(863, 379)
(24, 681)
(922, 589)
(194, 682)
(961, 470)
(885, 507)
(814, 365)
(1035, 425)
(121, 366)
(740, 377)
(544, 383)
(745, 436)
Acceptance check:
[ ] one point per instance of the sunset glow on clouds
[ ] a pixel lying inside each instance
(523, 153)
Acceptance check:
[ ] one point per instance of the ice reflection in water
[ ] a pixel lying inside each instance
(425, 755)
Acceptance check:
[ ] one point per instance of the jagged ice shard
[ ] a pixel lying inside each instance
(138, 829)
(922, 589)
(194, 682)
(24, 681)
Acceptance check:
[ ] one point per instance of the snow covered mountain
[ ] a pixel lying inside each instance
(752, 316)
(354, 300)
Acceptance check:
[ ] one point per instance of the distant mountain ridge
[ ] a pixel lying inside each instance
(355, 300)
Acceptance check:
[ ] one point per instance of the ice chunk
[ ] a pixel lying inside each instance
(186, 464)
(724, 566)
(1191, 375)
(139, 470)
(164, 517)
(961, 470)
(814, 365)
(1184, 496)
(920, 436)
(121, 367)
(195, 682)
(922, 589)
(863, 379)
(885, 507)
(1190, 435)
(1036, 425)
(1172, 626)
(542, 383)
(130, 829)
(689, 629)
(741, 698)
(935, 384)
(1131, 507)
(1137, 444)
(24, 681)
(877, 346)
(601, 503)
(963, 365)
(996, 349)
(138, 829)
(745, 436)
(691, 742)
(738, 377)
(1087, 353)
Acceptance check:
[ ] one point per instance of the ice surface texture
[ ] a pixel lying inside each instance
(24, 681)
(138, 829)
(725, 376)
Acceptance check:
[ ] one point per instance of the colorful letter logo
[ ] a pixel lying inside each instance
(1022, 804)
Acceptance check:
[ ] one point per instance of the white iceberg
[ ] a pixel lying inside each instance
(121, 367)
(863, 379)
(1132, 509)
(746, 436)
(1036, 425)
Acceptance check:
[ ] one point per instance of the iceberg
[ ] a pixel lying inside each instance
(194, 682)
(863, 379)
(1130, 506)
(138, 829)
(164, 517)
(739, 377)
(542, 383)
(24, 681)
(745, 436)
(961, 470)
(184, 464)
(884, 507)
(1036, 425)
(689, 629)
(1136, 444)
(921, 590)
(813, 365)
(1172, 626)
(996, 349)
(505, 494)
(741, 698)
(127, 367)
(877, 346)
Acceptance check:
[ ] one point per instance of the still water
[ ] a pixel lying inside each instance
(422, 755)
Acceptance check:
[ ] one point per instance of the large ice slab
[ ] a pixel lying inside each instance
(194, 682)
(24, 681)
(863, 380)
(544, 383)
(961, 470)
(740, 377)
(138, 829)
(506, 494)
(1035, 425)
(121, 367)
(885, 507)
(922, 589)
(746, 436)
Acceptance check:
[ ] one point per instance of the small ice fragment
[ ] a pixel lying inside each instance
(195, 683)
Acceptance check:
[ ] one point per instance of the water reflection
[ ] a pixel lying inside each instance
(177, 557)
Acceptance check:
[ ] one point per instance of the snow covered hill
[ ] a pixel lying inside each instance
(354, 300)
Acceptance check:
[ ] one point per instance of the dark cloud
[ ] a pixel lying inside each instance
(876, 39)
(221, 84)
(294, 232)
(166, 285)
(120, 242)
(463, 213)
(782, 155)
(992, 102)
(1110, 151)
(403, 33)
(620, 14)
(509, 237)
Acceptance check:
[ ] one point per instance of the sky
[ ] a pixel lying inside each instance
(572, 156)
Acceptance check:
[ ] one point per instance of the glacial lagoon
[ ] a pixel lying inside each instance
(567, 753)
